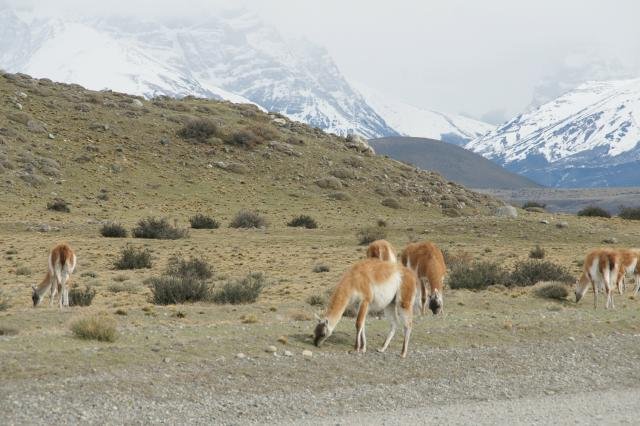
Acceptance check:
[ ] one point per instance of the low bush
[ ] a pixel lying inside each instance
(529, 272)
(476, 275)
(594, 211)
(558, 291)
(199, 269)
(245, 290)
(81, 296)
(533, 204)
(23, 270)
(537, 253)
(113, 230)
(630, 213)
(370, 234)
(133, 258)
(244, 138)
(320, 267)
(160, 229)
(58, 205)
(248, 219)
(199, 129)
(200, 221)
(99, 328)
(169, 289)
(391, 203)
(303, 221)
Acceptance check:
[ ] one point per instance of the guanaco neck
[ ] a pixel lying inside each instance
(337, 305)
(44, 284)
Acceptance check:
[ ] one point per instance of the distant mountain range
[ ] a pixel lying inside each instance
(453, 162)
(589, 137)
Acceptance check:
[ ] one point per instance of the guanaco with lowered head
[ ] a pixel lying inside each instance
(62, 263)
(600, 270)
(377, 285)
(427, 261)
(383, 250)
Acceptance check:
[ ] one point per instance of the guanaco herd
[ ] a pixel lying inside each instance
(380, 283)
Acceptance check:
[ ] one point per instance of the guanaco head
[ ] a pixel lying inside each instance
(321, 332)
(35, 297)
(435, 302)
(581, 286)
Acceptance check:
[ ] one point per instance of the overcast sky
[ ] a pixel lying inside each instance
(480, 58)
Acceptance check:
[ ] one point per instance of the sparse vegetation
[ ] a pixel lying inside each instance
(316, 300)
(370, 234)
(248, 219)
(199, 129)
(196, 268)
(460, 257)
(320, 267)
(120, 287)
(529, 272)
(330, 182)
(553, 290)
(160, 229)
(113, 230)
(537, 253)
(476, 275)
(594, 211)
(170, 289)
(339, 196)
(252, 136)
(391, 203)
(23, 270)
(133, 258)
(630, 213)
(4, 302)
(58, 205)
(97, 327)
(534, 205)
(201, 221)
(303, 221)
(81, 296)
(245, 290)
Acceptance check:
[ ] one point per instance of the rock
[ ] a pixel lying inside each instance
(562, 224)
(279, 121)
(271, 349)
(36, 126)
(610, 240)
(544, 221)
(240, 355)
(50, 136)
(571, 338)
(18, 105)
(359, 144)
(288, 353)
(166, 360)
(283, 340)
(137, 103)
(22, 95)
(165, 140)
(506, 211)
(307, 353)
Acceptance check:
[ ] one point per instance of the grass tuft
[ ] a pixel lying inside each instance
(200, 221)
(58, 205)
(133, 258)
(113, 230)
(81, 296)
(553, 290)
(195, 268)
(537, 253)
(303, 221)
(159, 229)
(97, 327)
(245, 290)
(248, 219)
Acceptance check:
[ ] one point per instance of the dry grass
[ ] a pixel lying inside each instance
(95, 327)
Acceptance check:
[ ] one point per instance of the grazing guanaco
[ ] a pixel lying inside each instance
(62, 263)
(427, 261)
(377, 285)
(383, 250)
(600, 269)
(628, 260)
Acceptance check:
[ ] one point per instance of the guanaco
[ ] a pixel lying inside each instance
(377, 285)
(427, 261)
(600, 269)
(383, 250)
(62, 263)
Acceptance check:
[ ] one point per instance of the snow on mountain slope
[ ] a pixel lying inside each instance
(586, 137)
(231, 56)
(417, 122)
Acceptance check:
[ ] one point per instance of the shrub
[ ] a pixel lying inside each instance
(200, 221)
(476, 275)
(167, 290)
(303, 221)
(199, 129)
(558, 291)
(113, 230)
(370, 234)
(533, 204)
(23, 270)
(245, 290)
(194, 268)
(391, 203)
(58, 205)
(630, 213)
(330, 182)
(81, 297)
(594, 211)
(320, 267)
(248, 219)
(537, 253)
(529, 272)
(159, 229)
(382, 223)
(95, 328)
(244, 139)
(315, 300)
(133, 258)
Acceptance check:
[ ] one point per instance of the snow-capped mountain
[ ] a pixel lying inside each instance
(588, 137)
(233, 56)
(409, 120)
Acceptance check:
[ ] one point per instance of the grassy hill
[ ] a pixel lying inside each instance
(453, 162)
